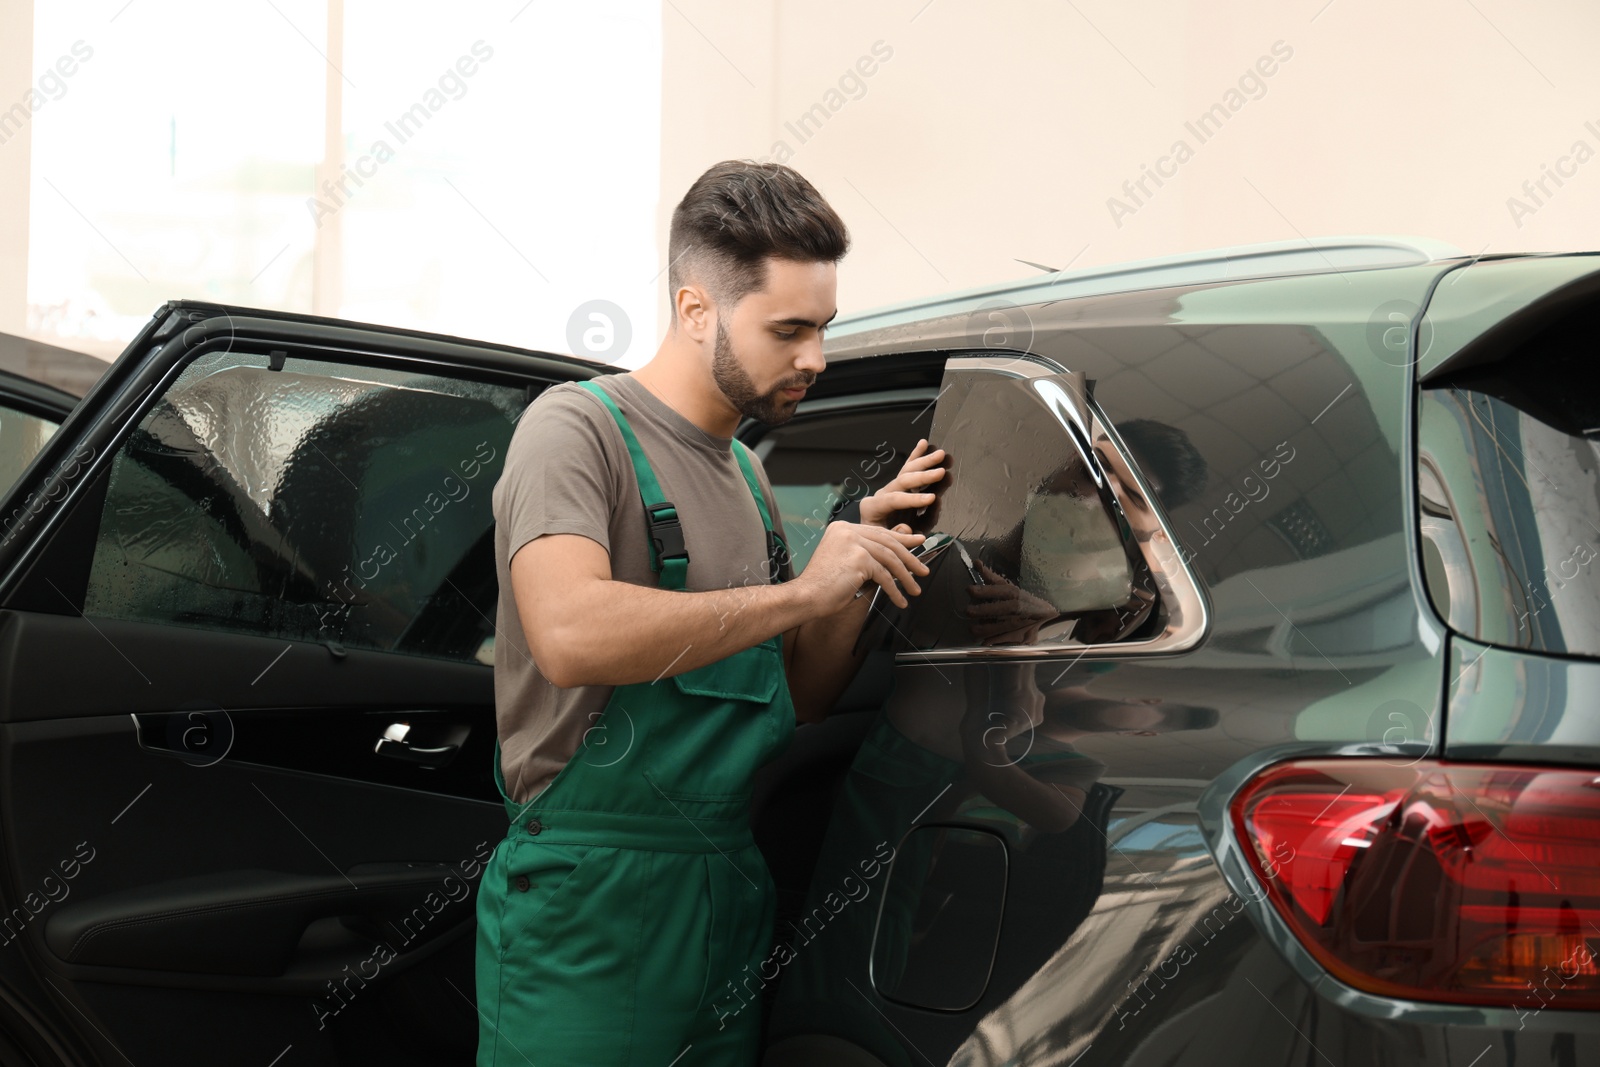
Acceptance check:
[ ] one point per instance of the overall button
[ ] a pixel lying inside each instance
(534, 826)
(522, 882)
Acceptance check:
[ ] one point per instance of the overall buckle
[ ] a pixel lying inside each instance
(777, 556)
(666, 532)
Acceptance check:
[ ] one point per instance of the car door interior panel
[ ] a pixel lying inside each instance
(249, 923)
(246, 708)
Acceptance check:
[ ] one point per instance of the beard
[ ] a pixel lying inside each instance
(731, 377)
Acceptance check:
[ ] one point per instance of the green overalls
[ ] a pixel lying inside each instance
(628, 897)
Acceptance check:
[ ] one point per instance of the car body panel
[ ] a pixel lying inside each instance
(1322, 642)
(1509, 704)
(1491, 294)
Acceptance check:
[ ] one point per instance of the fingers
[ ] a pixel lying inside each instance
(907, 479)
(894, 539)
(900, 563)
(896, 546)
(880, 574)
(900, 500)
(888, 557)
(891, 554)
(924, 475)
(920, 468)
(918, 456)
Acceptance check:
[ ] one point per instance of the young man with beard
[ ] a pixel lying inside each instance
(653, 650)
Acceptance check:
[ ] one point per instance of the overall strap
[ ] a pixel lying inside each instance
(669, 558)
(743, 453)
(777, 550)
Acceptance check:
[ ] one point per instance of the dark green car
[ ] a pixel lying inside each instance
(1250, 713)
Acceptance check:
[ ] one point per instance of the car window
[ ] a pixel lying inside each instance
(1040, 554)
(22, 435)
(1509, 496)
(1029, 519)
(310, 501)
(819, 462)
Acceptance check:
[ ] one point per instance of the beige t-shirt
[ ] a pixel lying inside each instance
(567, 470)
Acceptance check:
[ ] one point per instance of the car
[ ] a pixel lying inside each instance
(39, 385)
(30, 411)
(1245, 715)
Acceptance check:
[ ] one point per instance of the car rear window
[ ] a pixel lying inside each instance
(1509, 494)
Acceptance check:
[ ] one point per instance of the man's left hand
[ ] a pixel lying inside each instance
(921, 471)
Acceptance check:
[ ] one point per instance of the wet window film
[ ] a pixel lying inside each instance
(1039, 555)
(310, 501)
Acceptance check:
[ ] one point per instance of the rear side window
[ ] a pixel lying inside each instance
(313, 502)
(22, 435)
(1509, 492)
(1043, 558)
(818, 463)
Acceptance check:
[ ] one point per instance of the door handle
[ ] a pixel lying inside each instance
(395, 745)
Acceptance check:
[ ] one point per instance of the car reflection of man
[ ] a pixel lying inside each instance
(652, 656)
(985, 749)
(992, 751)
(1024, 773)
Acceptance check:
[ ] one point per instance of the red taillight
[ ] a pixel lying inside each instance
(1452, 882)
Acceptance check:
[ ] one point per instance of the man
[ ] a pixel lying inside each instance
(652, 652)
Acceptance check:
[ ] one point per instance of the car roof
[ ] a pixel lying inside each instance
(1322, 255)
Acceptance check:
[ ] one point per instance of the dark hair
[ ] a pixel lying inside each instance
(737, 214)
(1167, 453)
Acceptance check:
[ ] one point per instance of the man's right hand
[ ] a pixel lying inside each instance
(850, 554)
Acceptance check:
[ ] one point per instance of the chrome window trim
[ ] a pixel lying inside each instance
(1188, 612)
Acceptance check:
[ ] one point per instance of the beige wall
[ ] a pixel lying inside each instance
(999, 132)
(16, 78)
(984, 134)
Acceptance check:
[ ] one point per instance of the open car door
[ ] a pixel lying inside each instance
(247, 600)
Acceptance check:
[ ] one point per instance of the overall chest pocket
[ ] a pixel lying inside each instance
(751, 674)
(728, 719)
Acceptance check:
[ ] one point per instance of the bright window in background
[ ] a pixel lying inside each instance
(503, 161)
(515, 193)
(174, 163)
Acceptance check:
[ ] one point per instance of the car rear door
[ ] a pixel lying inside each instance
(247, 601)
(1151, 530)
(967, 840)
